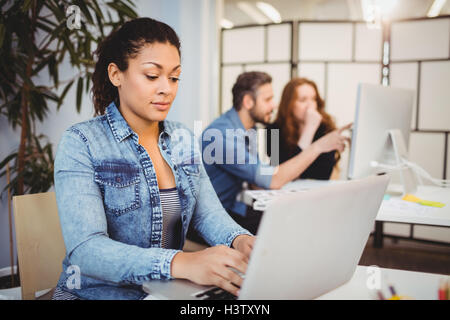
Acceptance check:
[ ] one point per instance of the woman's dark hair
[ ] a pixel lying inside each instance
(248, 83)
(118, 47)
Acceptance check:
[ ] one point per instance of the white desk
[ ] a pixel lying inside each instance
(416, 285)
(392, 210)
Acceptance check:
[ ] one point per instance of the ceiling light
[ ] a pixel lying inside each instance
(269, 11)
(226, 24)
(436, 8)
(252, 12)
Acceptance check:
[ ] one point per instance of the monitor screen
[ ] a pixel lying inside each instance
(378, 110)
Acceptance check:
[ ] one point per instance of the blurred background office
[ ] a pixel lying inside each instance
(336, 43)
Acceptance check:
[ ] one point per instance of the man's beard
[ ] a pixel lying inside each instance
(260, 118)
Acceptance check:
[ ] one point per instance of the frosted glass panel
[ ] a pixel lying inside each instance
(432, 233)
(342, 84)
(368, 44)
(418, 40)
(279, 42)
(280, 73)
(396, 229)
(427, 150)
(448, 159)
(434, 100)
(325, 41)
(314, 72)
(404, 75)
(229, 76)
(243, 45)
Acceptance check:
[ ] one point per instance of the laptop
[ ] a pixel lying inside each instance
(308, 244)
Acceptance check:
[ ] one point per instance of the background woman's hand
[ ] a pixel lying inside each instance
(312, 118)
(333, 140)
(211, 266)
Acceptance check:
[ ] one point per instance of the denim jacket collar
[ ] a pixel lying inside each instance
(119, 126)
(237, 122)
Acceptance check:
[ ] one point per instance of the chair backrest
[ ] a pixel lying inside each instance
(40, 244)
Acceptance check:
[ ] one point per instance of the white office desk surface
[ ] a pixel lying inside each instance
(395, 210)
(415, 285)
(392, 210)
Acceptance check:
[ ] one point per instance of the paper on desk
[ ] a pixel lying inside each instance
(262, 198)
(408, 208)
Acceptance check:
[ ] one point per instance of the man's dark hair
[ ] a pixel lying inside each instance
(248, 83)
(121, 45)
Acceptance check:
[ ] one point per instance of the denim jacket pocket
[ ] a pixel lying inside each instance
(193, 174)
(119, 184)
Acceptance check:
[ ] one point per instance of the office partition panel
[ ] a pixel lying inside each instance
(325, 41)
(426, 149)
(243, 45)
(316, 72)
(229, 76)
(342, 84)
(368, 43)
(405, 75)
(280, 73)
(420, 39)
(279, 42)
(448, 155)
(434, 101)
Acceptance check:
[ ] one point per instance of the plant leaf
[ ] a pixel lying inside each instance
(79, 93)
(63, 94)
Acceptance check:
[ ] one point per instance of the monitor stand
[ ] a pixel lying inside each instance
(408, 179)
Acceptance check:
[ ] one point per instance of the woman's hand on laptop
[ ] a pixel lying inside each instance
(211, 266)
(244, 243)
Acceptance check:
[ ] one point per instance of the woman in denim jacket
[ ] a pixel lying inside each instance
(129, 183)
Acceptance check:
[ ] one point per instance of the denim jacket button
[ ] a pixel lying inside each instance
(118, 179)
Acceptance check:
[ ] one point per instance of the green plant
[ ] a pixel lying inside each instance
(36, 36)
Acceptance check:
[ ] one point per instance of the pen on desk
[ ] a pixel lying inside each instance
(448, 288)
(443, 289)
(393, 293)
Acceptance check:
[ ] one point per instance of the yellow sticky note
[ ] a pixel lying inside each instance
(411, 198)
(431, 203)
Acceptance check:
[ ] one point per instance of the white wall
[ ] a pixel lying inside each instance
(195, 22)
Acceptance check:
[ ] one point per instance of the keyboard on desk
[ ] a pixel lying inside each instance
(215, 294)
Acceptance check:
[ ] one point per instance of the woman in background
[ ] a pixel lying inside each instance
(302, 120)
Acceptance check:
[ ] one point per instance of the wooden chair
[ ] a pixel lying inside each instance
(40, 244)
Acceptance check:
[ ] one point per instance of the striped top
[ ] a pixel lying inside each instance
(171, 211)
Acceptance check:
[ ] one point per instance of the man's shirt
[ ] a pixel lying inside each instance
(230, 158)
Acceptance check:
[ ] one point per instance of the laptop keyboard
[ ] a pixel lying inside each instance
(215, 294)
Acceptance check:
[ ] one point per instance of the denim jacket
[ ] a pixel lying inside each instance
(109, 206)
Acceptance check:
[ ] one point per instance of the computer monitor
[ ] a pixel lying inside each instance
(381, 133)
